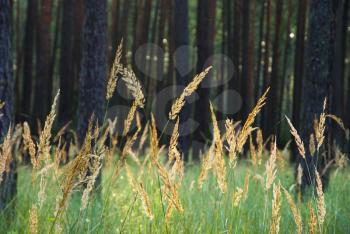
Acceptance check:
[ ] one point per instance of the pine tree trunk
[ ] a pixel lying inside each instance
(28, 57)
(338, 105)
(266, 67)
(124, 29)
(205, 49)
(299, 56)
(273, 104)
(286, 66)
(92, 83)
(318, 74)
(258, 89)
(142, 38)
(182, 64)
(248, 56)
(77, 38)
(9, 178)
(66, 107)
(42, 94)
(235, 50)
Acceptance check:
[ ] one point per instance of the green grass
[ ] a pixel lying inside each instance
(207, 210)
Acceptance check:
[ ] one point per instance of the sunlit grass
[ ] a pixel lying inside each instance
(206, 210)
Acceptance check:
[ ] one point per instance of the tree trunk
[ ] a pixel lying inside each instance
(9, 178)
(28, 58)
(182, 64)
(338, 105)
(298, 69)
(266, 67)
(77, 39)
(17, 22)
(151, 82)
(237, 42)
(142, 38)
(273, 104)
(171, 41)
(66, 107)
(42, 94)
(283, 93)
(318, 73)
(92, 83)
(248, 56)
(124, 29)
(115, 29)
(205, 49)
(258, 88)
(164, 12)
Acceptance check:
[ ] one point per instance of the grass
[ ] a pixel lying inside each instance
(206, 210)
(157, 193)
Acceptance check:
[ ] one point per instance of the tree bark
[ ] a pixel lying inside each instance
(248, 56)
(273, 103)
(338, 105)
(8, 184)
(266, 67)
(237, 42)
(318, 74)
(299, 56)
(92, 83)
(43, 89)
(124, 29)
(258, 88)
(283, 93)
(142, 37)
(66, 107)
(205, 49)
(77, 41)
(182, 64)
(28, 58)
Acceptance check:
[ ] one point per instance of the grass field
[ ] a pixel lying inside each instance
(206, 210)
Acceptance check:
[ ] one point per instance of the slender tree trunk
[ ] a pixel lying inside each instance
(115, 26)
(92, 83)
(151, 83)
(205, 48)
(248, 56)
(237, 43)
(164, 11)
(42, 94)
(266, 67)
(136, 32)
(258, 88)
(77, 38)
(221, 75)
(172, 48)
(142, 38)
(122, 22)
(66, 108)
(273, 104)
(182, 64)
(286, 65)
(9, 178)
(318, 74)
(338, 105)
(28, 58)
(298, 69)
(56, 43)
(19, 59)
(124, 29)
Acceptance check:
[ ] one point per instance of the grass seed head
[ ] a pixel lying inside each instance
(190, 88)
